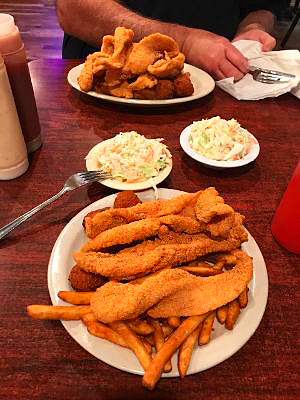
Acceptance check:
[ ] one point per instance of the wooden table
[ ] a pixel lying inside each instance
(39, 360)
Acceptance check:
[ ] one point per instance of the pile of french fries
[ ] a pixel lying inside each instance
(153, 341)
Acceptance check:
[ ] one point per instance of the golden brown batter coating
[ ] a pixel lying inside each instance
(172, 292)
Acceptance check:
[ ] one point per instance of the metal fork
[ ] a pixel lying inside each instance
(73, 182)
(270, 76)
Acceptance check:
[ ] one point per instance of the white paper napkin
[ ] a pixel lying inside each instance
(249, 89)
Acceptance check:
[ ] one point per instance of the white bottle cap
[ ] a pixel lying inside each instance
(7, 24)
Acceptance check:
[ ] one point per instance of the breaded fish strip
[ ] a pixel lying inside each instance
(210, 204)
(114, 217)
(126, 266)
(140, 230)
(147, 51)
(209, 294)
(137, 230)
(171, 292)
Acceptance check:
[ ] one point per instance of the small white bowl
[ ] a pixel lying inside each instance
(93, 165)
(251, 156)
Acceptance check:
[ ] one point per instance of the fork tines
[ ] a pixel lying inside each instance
(270, 76)
(94, 175)
(272, 73)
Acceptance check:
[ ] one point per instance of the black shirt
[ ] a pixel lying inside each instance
(219, 16)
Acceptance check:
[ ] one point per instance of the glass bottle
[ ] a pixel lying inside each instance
(13, 53)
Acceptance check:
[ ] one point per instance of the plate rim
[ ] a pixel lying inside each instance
(251, 156)
(262, 295)
(150, 103)
(115, 184)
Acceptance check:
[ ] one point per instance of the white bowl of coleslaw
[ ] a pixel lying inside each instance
(219, 144)
(135, 162)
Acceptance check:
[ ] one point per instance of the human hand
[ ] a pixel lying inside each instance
(214, 54)
(267, 41)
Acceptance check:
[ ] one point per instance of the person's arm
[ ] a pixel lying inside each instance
(257, 26)
(90, 20)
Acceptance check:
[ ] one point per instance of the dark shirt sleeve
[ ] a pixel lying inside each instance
(275, 6)
(74, 48)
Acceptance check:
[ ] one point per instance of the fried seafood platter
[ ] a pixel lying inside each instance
(151, 69)
(153, 277)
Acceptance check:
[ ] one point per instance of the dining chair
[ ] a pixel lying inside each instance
(294, 22)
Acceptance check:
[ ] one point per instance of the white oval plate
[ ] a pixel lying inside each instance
(223, 343)
(203, 84)
(184, 142)
(92, 165)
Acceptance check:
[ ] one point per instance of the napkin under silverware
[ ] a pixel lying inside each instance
(249, 89)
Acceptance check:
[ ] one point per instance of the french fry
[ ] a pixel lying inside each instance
(57, 312)
(201, 271)
(233, 313)
(73, 297)
(133, 342)
(150, 340)
(102, 331)
(205, 332)
(140, 327)
(218, 265)
(89, 317)
(229, 260)
(147, 345)
(222, 313)
(155, 369)
(159, 341)
(167, 330)
(174, 321)
(197, 263)
(186, 350)
(243, 298)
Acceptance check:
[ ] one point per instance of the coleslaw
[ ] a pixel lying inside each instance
(219, 139)
(130, 157)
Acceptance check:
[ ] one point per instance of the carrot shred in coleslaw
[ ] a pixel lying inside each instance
(218, 139)
(130, 157)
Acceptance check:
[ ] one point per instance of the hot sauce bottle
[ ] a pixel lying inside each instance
(13, 53)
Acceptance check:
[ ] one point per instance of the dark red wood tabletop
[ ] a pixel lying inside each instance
(39, 359)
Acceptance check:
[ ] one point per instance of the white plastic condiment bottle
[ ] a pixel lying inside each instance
(13, 152)
(14, 55)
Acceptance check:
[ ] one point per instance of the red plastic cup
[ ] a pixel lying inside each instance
(286, 222)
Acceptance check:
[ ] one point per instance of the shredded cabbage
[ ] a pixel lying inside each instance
(130, 157)
(218, 139)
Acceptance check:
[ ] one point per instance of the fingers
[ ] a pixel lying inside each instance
(237, 59)
(231, 63)
(228, 70)
(269, 43)
(217, 56)
(218, 75)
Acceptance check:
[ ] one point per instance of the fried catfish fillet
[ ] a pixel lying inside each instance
(142, 229)
(171, 292)
(167, 67)
(114, 217)
(125, 266)
(113, 55)
(148, 50)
